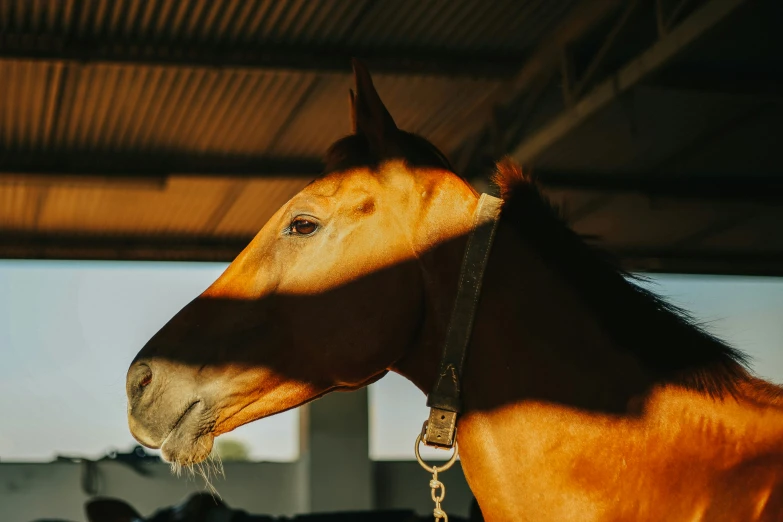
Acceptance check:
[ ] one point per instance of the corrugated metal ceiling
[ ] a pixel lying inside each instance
(469, 25)
(82, 109)
(141, 88)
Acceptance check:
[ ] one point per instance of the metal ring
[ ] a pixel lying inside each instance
(432, 469)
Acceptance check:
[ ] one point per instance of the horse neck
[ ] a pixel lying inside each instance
(530, 343)
(533, 337)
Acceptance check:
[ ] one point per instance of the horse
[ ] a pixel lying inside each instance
(585, 396)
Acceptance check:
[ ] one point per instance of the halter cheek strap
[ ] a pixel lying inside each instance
(445, 398)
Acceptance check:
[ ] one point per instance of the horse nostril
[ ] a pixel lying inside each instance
(145, 380)
(140, 378)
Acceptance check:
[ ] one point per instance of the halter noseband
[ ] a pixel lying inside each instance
(444, 400)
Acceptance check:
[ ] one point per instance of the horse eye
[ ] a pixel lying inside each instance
(303, 227)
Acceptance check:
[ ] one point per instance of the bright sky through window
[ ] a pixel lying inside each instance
(69, 329)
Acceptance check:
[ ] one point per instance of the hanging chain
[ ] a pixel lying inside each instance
(438, 490)
(435, 485)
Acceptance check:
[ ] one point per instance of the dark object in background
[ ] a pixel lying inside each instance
(203, 507)
(136, 459)
(475, 514)
(110, 510)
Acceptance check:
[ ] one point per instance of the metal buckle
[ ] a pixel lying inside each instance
(440, 429)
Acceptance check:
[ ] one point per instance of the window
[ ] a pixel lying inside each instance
(68, 331)
(397, 411)
(743, 311)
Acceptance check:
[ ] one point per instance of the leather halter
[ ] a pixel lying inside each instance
(445, 398)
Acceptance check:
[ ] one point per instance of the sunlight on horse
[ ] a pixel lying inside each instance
(586, 398)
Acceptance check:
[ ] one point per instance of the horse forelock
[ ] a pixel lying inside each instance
(354, 151)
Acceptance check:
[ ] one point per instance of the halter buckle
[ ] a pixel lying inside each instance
(440, 429)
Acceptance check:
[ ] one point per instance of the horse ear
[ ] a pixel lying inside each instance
(353, 110)
(369, 116)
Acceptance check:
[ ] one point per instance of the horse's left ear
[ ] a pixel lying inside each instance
(353, 110)
(369, 115)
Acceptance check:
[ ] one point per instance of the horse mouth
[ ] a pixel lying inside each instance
(186, 441)
(179, 420)
(190, 439)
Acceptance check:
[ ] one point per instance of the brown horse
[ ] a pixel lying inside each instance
(585, 397)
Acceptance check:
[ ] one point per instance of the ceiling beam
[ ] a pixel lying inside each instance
(74, 166)
(745, 188)
(113, 248)
(314, 58)
(542, 64)
(546, 57)
(153, 170)
(686, 32)
(701, 262)
(695, 79)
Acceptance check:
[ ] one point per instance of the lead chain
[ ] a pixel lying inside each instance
(435, 485)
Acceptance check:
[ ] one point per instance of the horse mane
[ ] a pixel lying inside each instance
(663, 336)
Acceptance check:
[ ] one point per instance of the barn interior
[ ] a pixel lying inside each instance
(170, 131)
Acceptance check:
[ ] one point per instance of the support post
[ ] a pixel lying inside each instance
(336, 471)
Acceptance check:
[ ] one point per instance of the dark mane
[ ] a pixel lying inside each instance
(355, 151)
(664, 337)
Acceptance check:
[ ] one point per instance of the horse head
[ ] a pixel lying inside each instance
(328, 296)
